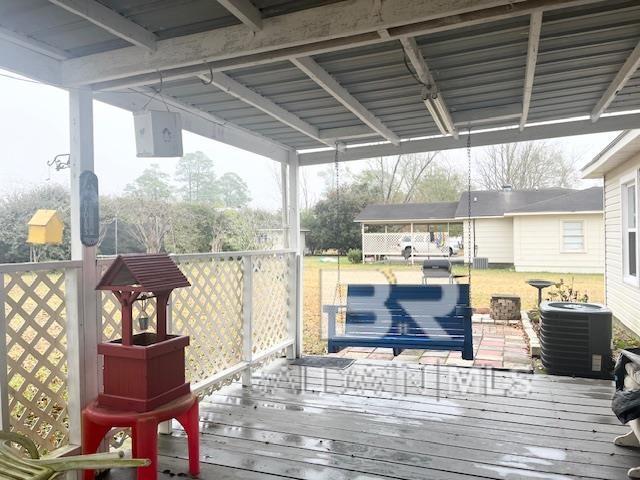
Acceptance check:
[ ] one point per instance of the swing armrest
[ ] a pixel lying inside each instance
(332, 314)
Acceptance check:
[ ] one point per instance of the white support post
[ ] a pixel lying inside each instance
(295, 325)
(387, 246)
(413, 244)
(247, 318)
(75, 349)
(285, 205)
(88, 322)
(362, 236)
(4, 380)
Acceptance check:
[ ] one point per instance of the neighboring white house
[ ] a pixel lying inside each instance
(619, 165)
(548, 230)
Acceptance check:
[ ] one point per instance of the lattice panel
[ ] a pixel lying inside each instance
(388, 243)
(37, 356)
(210, 312)
(271, 300)
(382, 243)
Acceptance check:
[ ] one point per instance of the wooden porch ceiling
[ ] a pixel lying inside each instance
(306, 426)
(381, 77)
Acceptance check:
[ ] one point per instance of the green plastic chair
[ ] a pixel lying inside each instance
(15, 466)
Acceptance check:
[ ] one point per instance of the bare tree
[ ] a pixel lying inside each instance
(396, 179)
(307, 197)
(525, 166)
(147, 209)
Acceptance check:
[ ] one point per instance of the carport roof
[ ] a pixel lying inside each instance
(488, 204)
(305, 74)
(407, 212)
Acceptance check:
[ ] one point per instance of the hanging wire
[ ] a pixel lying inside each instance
(412, 73)
(158, 92)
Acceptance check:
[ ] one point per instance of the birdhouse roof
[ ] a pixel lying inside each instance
(145, 273)
(42, 218)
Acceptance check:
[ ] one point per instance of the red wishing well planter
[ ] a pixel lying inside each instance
(143, 371)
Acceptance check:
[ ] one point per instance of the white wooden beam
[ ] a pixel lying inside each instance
(241, 92)
(537, 132)
(307, 32)
(620, 80)
(437, 107)
(33, 44)
(110, 20)
(198, 122)
(346, 133)
(535, 25)
(244, 11)
(29, 63)
(337, 91)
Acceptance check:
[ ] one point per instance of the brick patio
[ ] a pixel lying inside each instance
(496, 344)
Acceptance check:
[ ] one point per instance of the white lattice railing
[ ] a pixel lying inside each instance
(35, 387)
(239, 312)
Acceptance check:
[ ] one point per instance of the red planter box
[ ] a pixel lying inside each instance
(145, 375)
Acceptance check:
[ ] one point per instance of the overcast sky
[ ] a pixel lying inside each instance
(34, 126)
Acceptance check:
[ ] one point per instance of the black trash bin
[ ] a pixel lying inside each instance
(575, 339)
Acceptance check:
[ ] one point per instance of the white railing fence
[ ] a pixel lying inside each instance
(35, 387)
(389, 243)
(239, 313)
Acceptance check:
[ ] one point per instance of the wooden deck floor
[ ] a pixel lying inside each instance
(381, 420)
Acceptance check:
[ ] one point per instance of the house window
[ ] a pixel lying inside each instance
(629, 231)
(573, 236)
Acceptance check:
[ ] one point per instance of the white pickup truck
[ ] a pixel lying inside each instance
(425, 244)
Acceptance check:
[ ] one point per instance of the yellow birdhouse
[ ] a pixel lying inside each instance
(45, 227)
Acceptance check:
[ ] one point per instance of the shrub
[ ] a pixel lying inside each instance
(566, 293)
(355, 255)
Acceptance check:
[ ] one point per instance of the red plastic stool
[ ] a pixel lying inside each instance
(97, 421)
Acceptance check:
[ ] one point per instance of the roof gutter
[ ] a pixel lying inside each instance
(601, 163)
(583, 212)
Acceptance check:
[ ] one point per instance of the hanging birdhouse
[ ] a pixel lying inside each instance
(158, 133)
(45, 228)
(143, 371)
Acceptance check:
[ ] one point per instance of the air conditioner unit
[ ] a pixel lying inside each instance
(158, 133)
(575, 339)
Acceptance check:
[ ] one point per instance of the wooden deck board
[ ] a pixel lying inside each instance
(308, 424)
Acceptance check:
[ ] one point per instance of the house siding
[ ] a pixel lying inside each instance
(537, 244)
(493, 239)
(621, 297)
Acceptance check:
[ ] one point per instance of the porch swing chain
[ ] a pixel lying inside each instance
(469, 210)
(338, 292)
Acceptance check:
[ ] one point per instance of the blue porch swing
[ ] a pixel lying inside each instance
(433, 317)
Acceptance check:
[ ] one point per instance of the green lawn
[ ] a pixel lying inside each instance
(483, 284)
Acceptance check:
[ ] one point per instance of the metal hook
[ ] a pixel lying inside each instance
(210, 76)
